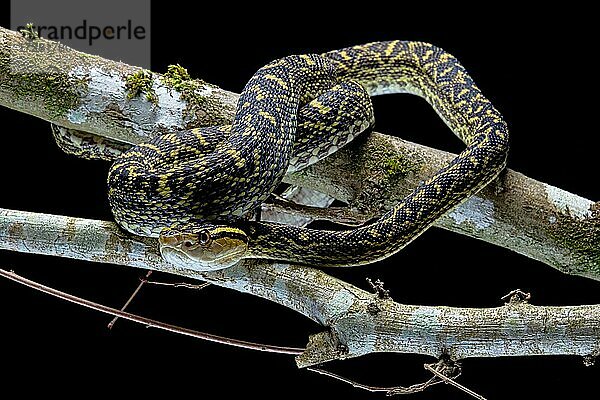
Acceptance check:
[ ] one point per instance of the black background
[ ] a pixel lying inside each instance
(537, 69)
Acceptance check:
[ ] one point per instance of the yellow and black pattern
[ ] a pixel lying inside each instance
(197, 199)
(182, 179)
(430, 72)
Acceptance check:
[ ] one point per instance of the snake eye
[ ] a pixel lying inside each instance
(204, 237)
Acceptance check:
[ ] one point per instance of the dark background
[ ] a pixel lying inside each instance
(535, 70)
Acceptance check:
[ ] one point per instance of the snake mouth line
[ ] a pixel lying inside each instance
(180, 259)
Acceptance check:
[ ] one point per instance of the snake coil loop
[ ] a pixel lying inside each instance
(194, 186)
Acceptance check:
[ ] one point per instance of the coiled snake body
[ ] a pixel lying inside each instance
(190, 188)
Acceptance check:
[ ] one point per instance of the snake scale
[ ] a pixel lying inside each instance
(193, 188)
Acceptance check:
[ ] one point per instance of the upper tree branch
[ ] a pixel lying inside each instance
(80, 91)
(532, 218)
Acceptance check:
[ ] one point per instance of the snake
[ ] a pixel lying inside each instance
(194, 189)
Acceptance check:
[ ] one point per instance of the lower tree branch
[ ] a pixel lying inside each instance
(358, 322)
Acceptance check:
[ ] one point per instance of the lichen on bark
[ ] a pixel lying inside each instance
(582, 238)
(373, 164)
(31, 75)
(384, 165)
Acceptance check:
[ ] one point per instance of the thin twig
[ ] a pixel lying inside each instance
(178, 284)
(516, 296)
(452, 382)
(130, 299)
(378, 289)
(144, 281)
(147, 321)
(389, 391)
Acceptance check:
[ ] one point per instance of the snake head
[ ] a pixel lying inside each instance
(208, 247)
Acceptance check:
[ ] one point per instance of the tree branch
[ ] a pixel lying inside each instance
(532, 218)
(92, 94)
(359, 322)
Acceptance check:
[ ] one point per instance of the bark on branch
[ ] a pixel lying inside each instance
(92, 94)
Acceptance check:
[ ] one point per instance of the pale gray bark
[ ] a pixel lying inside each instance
(359, 322)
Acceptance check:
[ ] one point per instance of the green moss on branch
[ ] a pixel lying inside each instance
(384, 164)
(141, 83)
(192, 91)
(30, 32)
